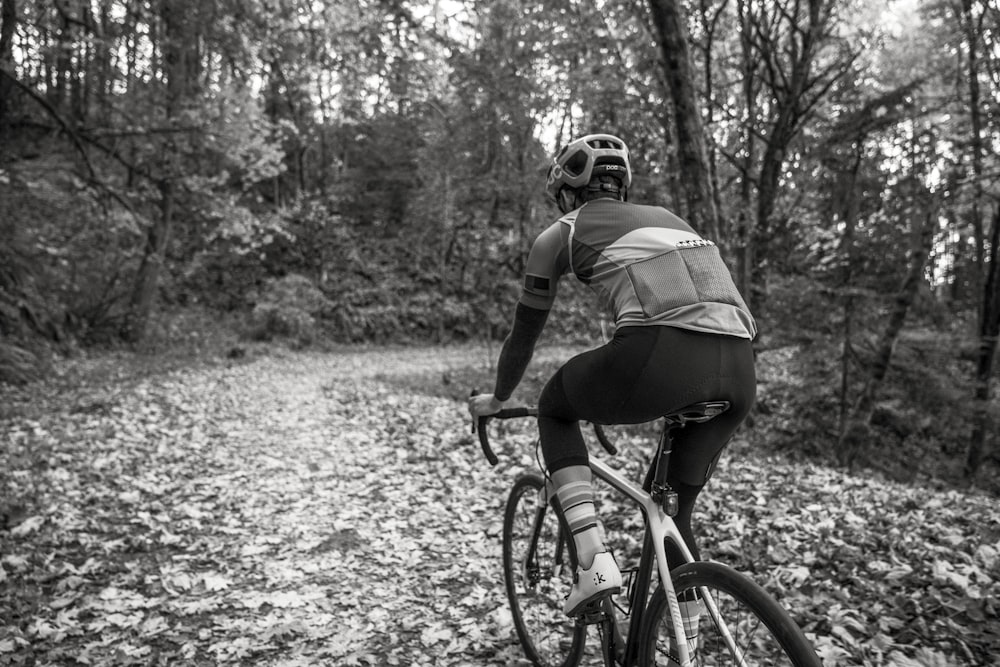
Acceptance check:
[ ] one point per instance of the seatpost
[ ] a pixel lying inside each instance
(660, 490)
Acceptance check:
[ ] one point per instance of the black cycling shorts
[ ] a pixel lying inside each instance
(640, 375)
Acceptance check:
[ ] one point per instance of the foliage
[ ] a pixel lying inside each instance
(187, 155)
(17, 365)
(18, 300)
(288, 308)
(54, 259)
(917, 430)
(278, 510)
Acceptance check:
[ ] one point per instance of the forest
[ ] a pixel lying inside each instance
(369, 171)
(203, 198)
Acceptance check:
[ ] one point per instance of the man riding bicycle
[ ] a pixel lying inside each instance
(682, 335)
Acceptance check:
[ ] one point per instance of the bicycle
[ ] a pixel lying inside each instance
(738, 622)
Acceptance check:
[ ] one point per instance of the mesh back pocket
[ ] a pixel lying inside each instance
(662, 283)
(681, 278)
(711, 276)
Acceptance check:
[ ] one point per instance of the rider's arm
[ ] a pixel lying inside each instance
(518, 348)
(546, 262)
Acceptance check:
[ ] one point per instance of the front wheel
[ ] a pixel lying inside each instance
(752, 629)
(538, 572)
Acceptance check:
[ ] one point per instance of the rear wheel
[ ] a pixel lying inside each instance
(538, 573)
(760, 631)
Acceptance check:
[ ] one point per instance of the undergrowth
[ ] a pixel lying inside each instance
(794, 418)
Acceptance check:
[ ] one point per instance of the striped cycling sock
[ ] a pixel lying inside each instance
(576, 498)
(691, 610)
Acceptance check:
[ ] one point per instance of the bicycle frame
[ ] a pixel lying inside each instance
(659, 528)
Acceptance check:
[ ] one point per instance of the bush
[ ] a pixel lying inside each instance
(288, 308)
(17, 365)
(191, 332)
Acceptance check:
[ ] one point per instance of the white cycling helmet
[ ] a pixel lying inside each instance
(586, 158)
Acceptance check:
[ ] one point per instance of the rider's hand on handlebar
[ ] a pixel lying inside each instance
(481, 405)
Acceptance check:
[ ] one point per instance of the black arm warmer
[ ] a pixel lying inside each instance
(518, 348)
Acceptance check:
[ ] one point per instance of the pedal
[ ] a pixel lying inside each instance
(591, 614)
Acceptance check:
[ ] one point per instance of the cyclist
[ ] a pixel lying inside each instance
(682, 335)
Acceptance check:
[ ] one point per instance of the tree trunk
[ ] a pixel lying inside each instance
(148, 278)
(989, 332)
(975, 115)
(985, 276)
(710, 24)
(8, 19)
(846, 354)
(855, 435)
(668, 20)
(745, 222)
(849, 211)
(181, 68)
(446, 231)
(771, 167)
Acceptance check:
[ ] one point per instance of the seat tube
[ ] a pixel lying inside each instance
(663, 528)
(639, 596)
(663, 451)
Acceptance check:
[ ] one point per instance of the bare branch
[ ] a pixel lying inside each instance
(30, 92)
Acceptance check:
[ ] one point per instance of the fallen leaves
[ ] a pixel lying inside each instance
(893, 571)
(28, 526)
(306, 509)
(297, 511)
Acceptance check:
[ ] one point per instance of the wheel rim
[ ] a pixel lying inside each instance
(537, 585)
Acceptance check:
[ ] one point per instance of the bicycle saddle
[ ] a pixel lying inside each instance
(696, 412)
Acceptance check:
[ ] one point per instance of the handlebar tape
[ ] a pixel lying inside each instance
(603, 439)
(516, 413)
(506, 413)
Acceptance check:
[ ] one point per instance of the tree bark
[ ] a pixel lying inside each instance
(668, 21)
(8, 20)
(148, 279)
(710, 24)
(976, 117)
(745, 220)
(849, 211)
(986, 276)
(989, 333)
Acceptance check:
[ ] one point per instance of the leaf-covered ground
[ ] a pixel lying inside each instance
(332, 509)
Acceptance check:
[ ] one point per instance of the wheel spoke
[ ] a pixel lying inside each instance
(739, 624)
(538, 575)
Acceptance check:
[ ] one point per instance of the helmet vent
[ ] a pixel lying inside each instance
(576, 164)
(605, 143)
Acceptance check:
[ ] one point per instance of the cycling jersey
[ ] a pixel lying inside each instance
(649, 266)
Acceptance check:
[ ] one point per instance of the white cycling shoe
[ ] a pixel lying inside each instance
(602, 580)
